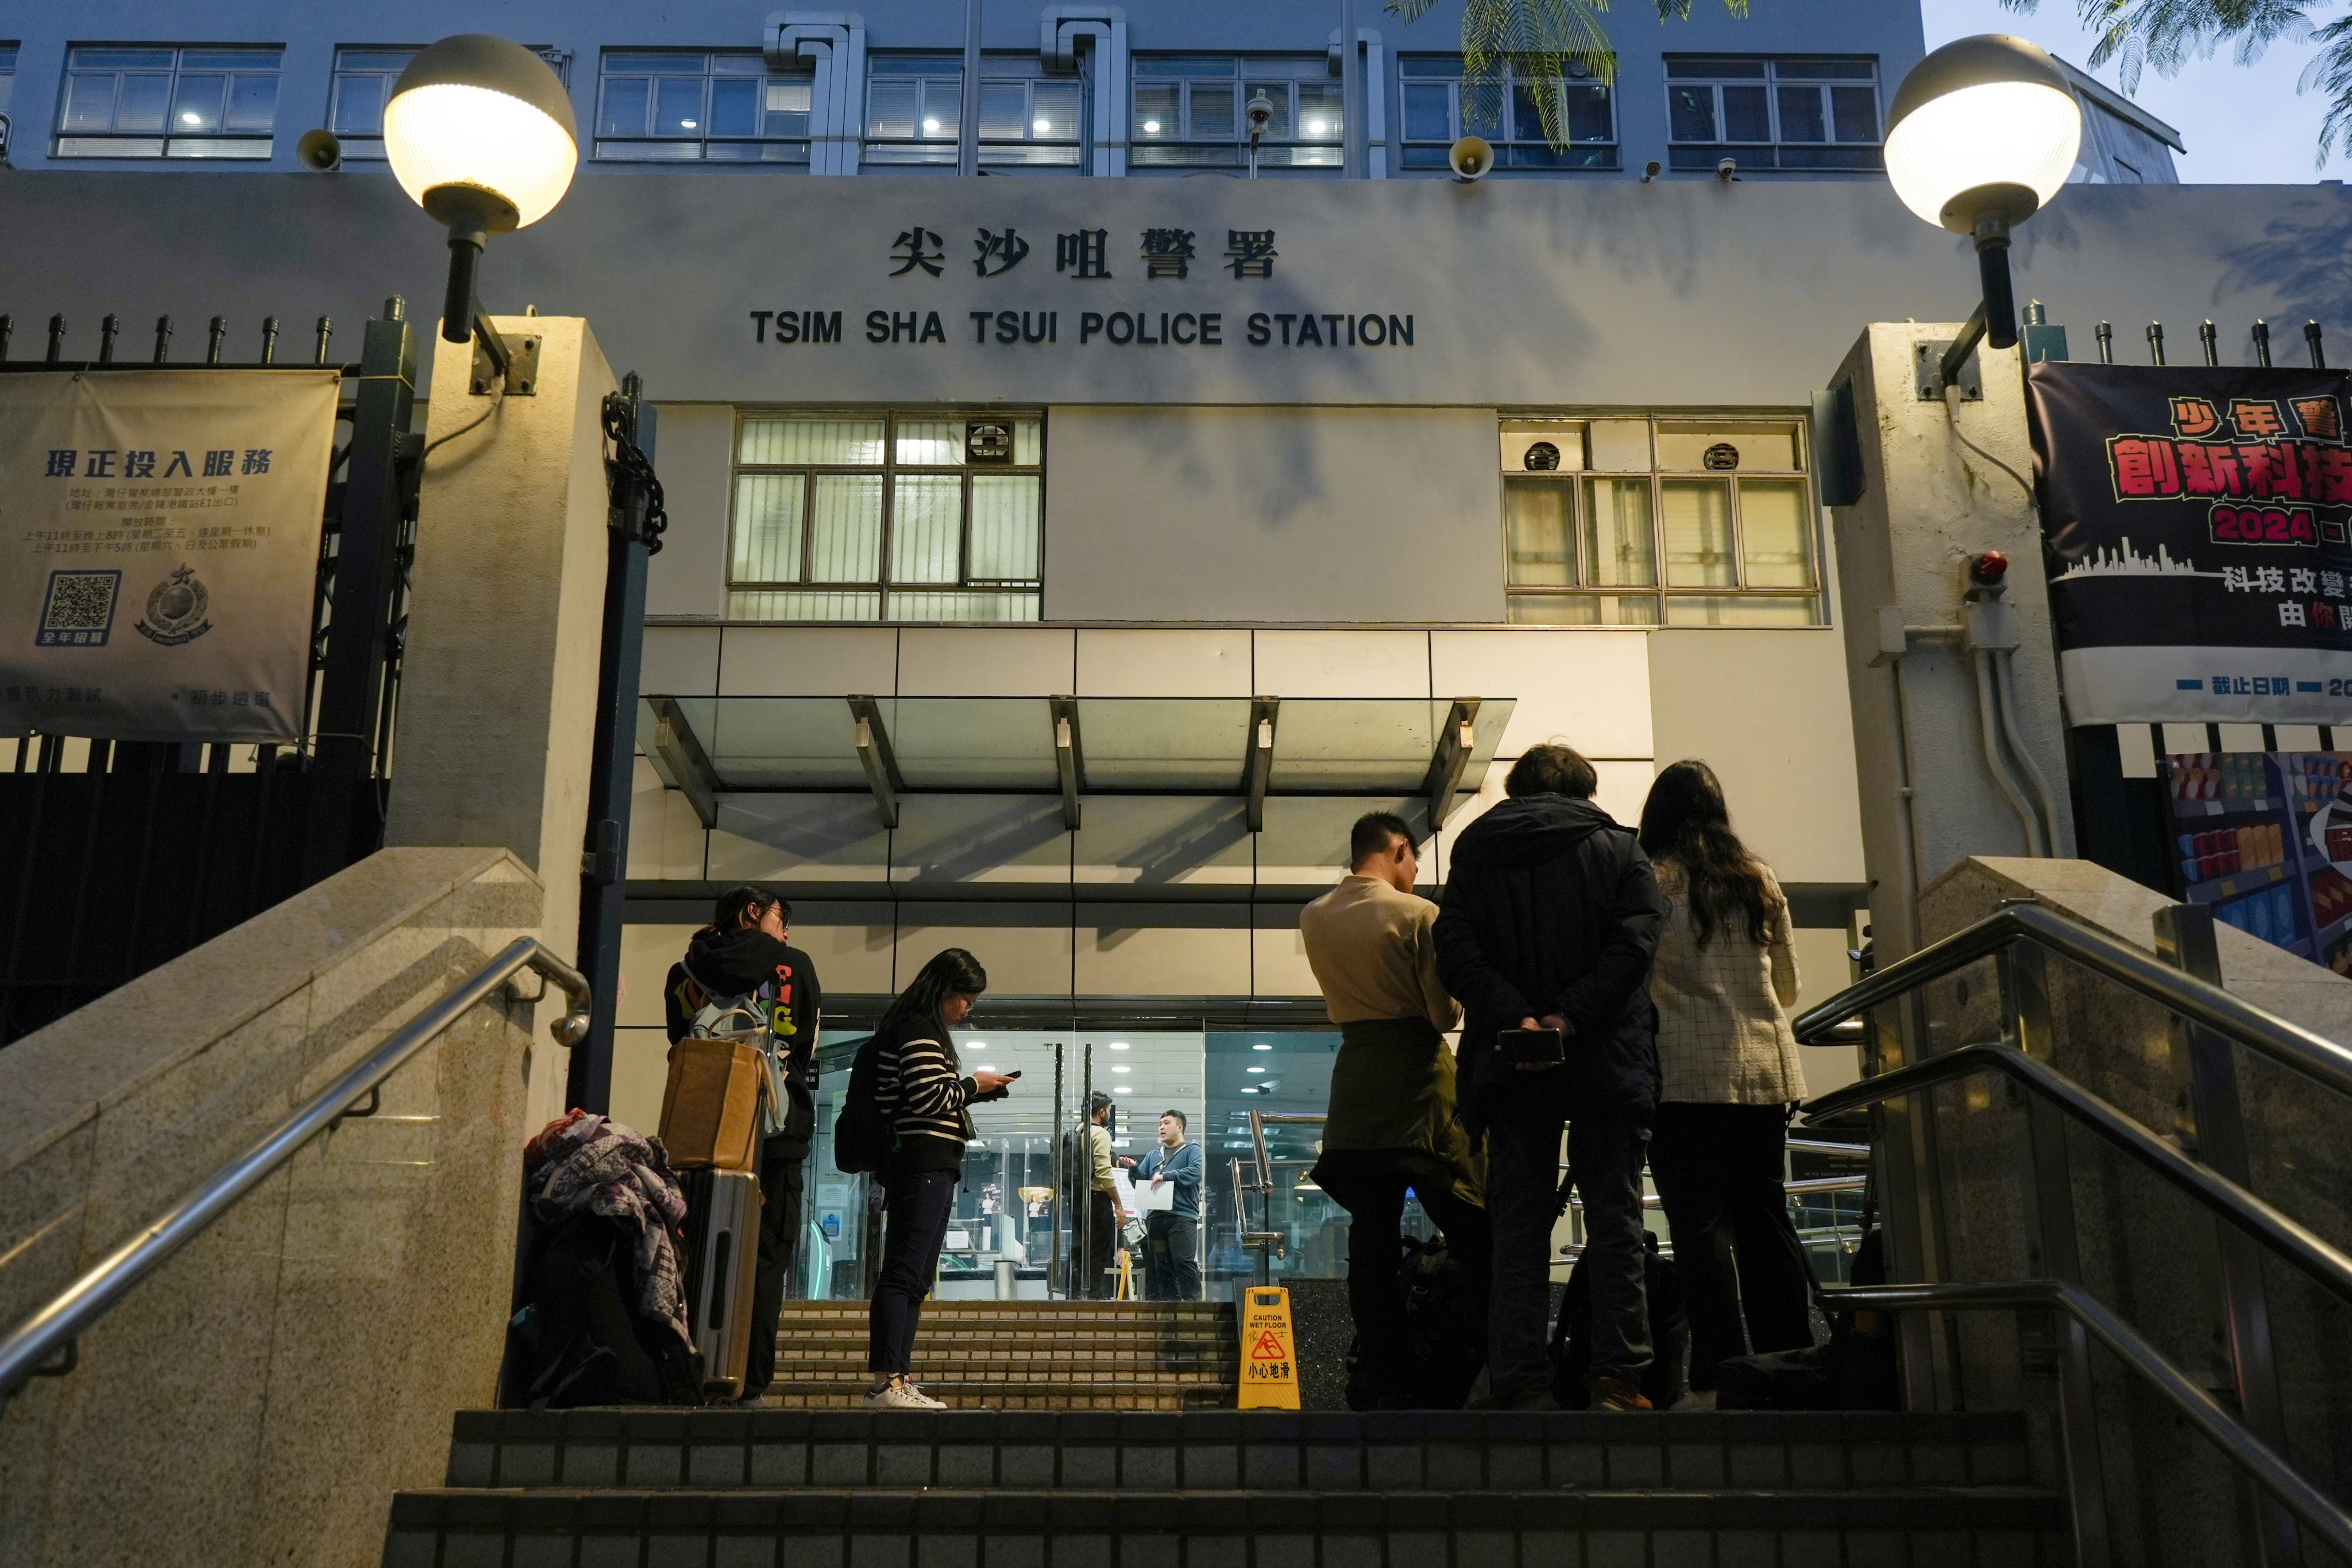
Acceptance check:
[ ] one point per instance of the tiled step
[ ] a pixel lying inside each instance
(1318, 1452)
(1021, 1355)
(2007, 1527)
(1023, 1392)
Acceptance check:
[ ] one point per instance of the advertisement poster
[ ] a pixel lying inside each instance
(2194, 531)
(2265, 838)
(159, 547)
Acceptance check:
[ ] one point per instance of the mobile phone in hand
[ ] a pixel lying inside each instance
(1531, 1048)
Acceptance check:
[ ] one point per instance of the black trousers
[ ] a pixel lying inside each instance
(780, 1239)
(1172, 1257)
(1745, 1279)
(1604, 1159)
(916, 1204)
(1102, 1246)
(1370, 1185)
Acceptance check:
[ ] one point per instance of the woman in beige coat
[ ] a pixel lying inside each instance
(1725, 975)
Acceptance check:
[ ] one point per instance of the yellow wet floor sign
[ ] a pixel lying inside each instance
(1269, 1367)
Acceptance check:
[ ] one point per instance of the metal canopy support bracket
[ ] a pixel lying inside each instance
(679, 758)
(874, 755)
(1454, 744)
(1257, 767)
(1069, 758)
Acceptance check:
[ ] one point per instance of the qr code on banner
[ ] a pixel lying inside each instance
(79, 611)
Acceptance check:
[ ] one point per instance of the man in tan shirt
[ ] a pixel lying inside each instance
(1392, 1129)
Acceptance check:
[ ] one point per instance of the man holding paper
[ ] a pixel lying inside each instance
(1172, 1214)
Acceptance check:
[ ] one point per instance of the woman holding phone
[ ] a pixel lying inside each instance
(1725, 975)
(922, 1093)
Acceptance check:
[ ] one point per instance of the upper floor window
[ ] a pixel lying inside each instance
(1773, 113)
(914, 110)
(1635, 522)
(901, 517)
(7, 75)
(1031, 121)
(363, 85)
(195, 102)
(1192, 113)
(1440, 108)
(689, 105)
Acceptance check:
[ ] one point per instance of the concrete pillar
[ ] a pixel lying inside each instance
(498, 690)
(1931, 796)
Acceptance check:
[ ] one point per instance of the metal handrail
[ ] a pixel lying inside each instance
(2284, 1041)
(56, 1327)
(2327, 1265)
(2318, 1513)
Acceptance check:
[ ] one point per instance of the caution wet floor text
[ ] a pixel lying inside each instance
(1269, 1364)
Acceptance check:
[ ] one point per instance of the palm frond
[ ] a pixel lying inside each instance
(2330, 71)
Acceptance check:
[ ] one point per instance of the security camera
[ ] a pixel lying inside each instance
(1470, 159)
(1260, 110)
(1727, 171)
(319, 149)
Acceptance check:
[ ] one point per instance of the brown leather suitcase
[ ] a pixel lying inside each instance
(711, 1108)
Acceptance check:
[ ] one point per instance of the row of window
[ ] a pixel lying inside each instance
(934, 516)
(1188, 112)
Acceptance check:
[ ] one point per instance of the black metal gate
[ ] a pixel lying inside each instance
(116, 857)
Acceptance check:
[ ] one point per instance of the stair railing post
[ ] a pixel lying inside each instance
(1057, 1274)
(1082, 1185)
(2214, 1134)
(2054, 1253)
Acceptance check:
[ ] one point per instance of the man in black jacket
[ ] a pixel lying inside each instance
(1551, 916)
(744, 958)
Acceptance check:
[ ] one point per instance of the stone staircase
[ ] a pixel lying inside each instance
(822, 1488)
(1021, 1355)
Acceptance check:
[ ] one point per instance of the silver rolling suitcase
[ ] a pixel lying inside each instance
(722, 1242)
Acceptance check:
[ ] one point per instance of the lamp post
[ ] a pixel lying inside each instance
(1981, 133)
(480, 134)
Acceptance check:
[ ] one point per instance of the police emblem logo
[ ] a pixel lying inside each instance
(176, 609)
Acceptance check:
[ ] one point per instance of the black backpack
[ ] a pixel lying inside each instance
(578, 1339)
(1572, 1340)
(861, 1134)
(1446, 1337)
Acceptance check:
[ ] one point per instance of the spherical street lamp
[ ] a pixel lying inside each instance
(480, 132)
(1981, 133)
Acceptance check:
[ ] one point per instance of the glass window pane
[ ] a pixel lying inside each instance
(1698, 446)
(1482, 110)
(1318, 112)
(1428, 112)
(1745, 117)
(90, 103)
(678, 106)
(846, 535)
(142, 105)
(926, 529)
(806, 604)
(1004, 532)
(836, 442)
(1527, 106)
(1212, 112)
(1057, 111)
(1800, 115)
(1786, 69)
(1028, 442)
(1587, 115)
(228, 59)
(1540, 552)
(1733, 66)
(942, 108)
(1775, 533)
(734, 107)
(1690, 113)
(7, 86)
(1619, 545)
(252, 103)
(1740, 610)
(120, 59)
(963, 605)
(931, 443)
(196, 106)
(392, 60)
(1698, 533)
(1855, 109)
(789, 97)
(625, 103)
(768, 528)
(693, 65)
(1583, 610)
(1002, 105)
(1155, 111)
(890, 109)
(738, 65)
(359, 106)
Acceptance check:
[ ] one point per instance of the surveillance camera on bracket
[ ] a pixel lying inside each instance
(1727, 171)
(1651, 170)
(1260, 113)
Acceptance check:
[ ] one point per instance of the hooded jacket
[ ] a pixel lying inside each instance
(727, 965)
(1551, 908)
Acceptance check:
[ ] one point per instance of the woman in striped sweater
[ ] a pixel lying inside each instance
(922, 1092)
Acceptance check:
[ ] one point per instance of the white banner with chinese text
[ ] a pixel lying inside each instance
(159, 548)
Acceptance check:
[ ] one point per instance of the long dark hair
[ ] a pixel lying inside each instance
(951, 969)
(1686, 821)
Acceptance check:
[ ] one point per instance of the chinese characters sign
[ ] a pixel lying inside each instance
(159, 545)
(2195, 530)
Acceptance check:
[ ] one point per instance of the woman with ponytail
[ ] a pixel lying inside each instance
(1725, 975)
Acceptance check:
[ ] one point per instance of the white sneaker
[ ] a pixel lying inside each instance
(1697, 1399)
(899, 1395)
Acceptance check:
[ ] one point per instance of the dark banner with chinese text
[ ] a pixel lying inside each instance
(2195, 535)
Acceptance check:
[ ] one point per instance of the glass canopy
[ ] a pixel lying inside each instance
(1119, 746)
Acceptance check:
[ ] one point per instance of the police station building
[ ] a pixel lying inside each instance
(1082, 507)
